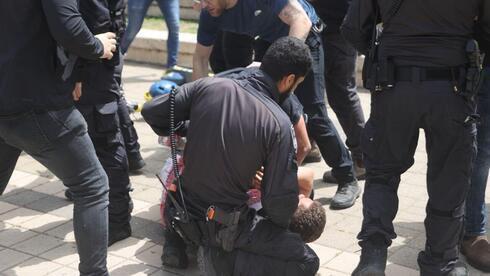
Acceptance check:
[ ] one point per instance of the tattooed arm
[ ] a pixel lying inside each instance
(295, 16)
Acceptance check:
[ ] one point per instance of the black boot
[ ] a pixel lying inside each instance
(174, 254)
(135, 162)
(373, 257)
(118, 233)
(437, 266)
(346, 195)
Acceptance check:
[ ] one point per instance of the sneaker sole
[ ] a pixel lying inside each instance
(336, 206)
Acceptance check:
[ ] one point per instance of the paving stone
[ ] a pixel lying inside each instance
(15, 235)
(394, 269)
(43, 222)
(161, 272)
(64, 271)
(24, 197)
(37, 244)
(34, 266)
(130, 247)
(5, 207)
(328, 272)
(65, 254)
(19, 215)
(324, 253)
(151, 195)
(64, 212)
(406, 256)
(151, 212)
(48, 203)
(151, 230)
(337, 239)
(50, 188)
(345, 262)
(152, 256)
(131, 268)
(63, 232)
(10, 258)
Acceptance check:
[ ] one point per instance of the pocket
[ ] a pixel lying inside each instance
(369, 141)
(106, 120)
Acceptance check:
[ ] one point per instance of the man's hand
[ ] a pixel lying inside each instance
(257, 181)
(77, 92)
(109, 42)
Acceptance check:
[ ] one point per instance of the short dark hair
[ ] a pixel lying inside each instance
(287, 55)
(309, 222)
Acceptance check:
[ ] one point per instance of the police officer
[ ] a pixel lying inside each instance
(37, 114)
(340, 80)
(236, 126)
(269, 20)
(98, 104)
(417, 74)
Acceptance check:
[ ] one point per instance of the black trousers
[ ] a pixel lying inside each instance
(128, 132)
(103, 129)
(389, 141)
(340, 83)
(311, 94)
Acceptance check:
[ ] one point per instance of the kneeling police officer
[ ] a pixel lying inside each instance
(423, 71)
(235, 127)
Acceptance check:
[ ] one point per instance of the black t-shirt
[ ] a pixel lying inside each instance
(293, 108)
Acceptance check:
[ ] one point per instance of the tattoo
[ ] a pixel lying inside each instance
(290, 11)
(291, 14)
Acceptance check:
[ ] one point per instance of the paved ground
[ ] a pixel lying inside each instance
(36, 235)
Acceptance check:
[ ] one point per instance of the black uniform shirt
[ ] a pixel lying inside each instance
(31, 75)
(332, 12)
(236, 126)
(99, 84)
(430, 33)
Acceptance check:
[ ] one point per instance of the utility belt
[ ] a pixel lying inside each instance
(314, 39)
(381, 73)
(213, 227)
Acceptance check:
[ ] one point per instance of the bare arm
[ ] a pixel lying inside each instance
(295, 16)
(200, 61)
(302, 140)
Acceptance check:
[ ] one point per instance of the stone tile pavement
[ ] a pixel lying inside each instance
(36, 234)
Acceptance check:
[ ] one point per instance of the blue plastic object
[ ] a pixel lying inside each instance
(175, 77)
(162, 87)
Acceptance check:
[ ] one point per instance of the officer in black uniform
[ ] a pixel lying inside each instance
(236, 127)
(99, 106)
(340, 80)
(420, 78)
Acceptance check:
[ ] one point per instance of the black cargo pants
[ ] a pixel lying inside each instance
(104, 131)
(388, 143)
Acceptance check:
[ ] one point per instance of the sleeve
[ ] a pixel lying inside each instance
(96, 15)
(280, 183)
(293, 108)
(276, 6)
(208, 29)
(483, 28)
(157, 111)
(358, 24)
(69, 30)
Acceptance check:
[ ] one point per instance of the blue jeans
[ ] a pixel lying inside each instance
(59, 141)
(136, 14)
(476, 211)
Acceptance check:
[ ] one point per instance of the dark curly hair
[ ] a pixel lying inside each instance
(287, 55)
(309, 222)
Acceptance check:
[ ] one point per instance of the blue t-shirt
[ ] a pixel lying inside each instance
(256, 18)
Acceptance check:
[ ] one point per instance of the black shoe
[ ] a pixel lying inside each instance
(68, 195)
(136, 162)
(346, 195)
(430, 265)
(118, 233)
(175, 256)
(373, 257)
